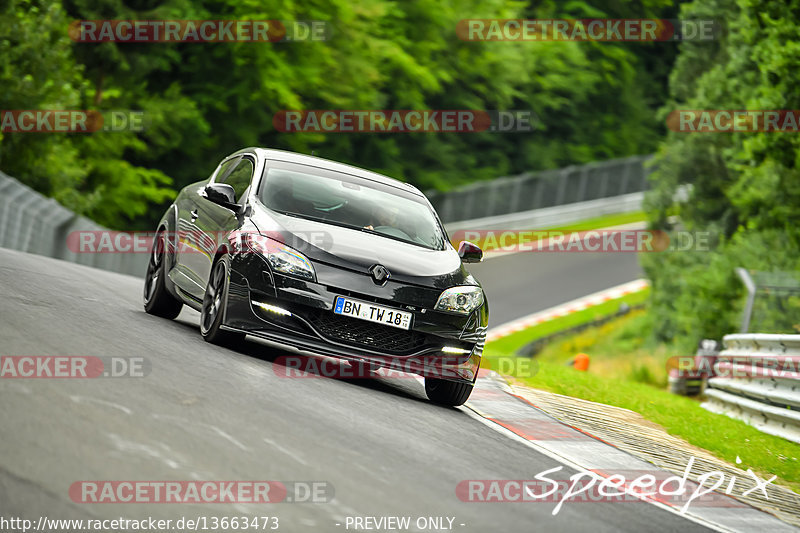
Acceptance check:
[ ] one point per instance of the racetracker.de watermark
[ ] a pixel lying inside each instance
(734, 121)
(309, 367)
(72, 366)
(198, 31)
(735, 367)
(404, 121)
(591, 241)
(587, 30)
(189, 241)
(242, 491)
(70, 121)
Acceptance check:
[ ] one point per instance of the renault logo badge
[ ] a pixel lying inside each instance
(379, 274)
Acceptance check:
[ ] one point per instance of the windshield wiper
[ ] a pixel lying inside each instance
(395, 238)
(352, 226)
(317, 219)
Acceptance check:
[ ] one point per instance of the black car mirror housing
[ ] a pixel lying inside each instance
(470, 253)
(222, 194)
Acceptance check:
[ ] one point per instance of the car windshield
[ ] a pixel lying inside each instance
(345, 200)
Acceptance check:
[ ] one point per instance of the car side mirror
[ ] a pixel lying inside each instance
(222, 194)
(470, 253)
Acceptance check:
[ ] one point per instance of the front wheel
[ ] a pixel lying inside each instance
(157, 300)
(452, 393)
(213, 308)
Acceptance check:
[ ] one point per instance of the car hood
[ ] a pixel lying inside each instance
(358, 251)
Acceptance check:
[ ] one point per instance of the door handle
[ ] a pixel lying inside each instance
(195, 214)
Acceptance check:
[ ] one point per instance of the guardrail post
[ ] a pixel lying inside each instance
(750, 285)
(563, 177)
(516, 201)
(6, 227)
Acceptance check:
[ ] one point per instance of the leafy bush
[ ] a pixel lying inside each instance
(744, 187)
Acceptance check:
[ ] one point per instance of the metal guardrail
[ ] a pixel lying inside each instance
(776, 294)
(756, 378)
(549, 217)
(538, 190)
(31, 222)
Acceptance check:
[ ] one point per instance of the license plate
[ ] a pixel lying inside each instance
(372, 312)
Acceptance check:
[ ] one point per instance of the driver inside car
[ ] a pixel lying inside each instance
(383, 216)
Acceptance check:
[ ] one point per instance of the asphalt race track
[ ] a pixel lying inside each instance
(209, 413)
(523, 283)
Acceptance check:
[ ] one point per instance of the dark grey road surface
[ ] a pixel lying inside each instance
(524, 283)
(208, 413)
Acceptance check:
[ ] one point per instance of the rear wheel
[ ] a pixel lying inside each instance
(452, 393)
(157, 299)
(213, 308)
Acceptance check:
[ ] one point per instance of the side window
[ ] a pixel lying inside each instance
(240, 177)
(225, 168)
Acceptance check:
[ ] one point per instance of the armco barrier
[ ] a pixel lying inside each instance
(31, 222)
(549, 217)
(770, 398)
(541, 190)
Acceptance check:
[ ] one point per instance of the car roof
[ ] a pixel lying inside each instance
(310, 160)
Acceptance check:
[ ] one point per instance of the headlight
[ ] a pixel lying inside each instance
(280, 257)
(462, 300)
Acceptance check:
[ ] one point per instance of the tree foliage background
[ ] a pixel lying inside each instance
(203, 101)
(745, 187)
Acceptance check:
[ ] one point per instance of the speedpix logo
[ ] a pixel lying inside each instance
(629, 486)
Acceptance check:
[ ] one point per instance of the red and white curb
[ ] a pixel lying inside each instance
(566, 309)
(494, 403)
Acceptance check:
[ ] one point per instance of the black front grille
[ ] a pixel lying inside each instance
(368, 334)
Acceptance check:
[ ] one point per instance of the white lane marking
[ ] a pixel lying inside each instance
(285, 451)
(146, 450)
(570, 463)
(374, 473)
(194, 425)
(567, 308)
(88, 399)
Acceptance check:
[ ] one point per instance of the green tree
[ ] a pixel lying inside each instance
(742, 187)
(203, 101)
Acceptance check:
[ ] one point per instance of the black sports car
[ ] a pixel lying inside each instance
(326, 258)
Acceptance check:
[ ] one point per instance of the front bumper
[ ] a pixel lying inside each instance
(300, 314)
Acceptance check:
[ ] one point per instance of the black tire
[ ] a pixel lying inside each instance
(213, 308)
(443, 392)
(157, 299)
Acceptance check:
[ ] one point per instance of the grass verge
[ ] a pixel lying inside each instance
(605, 221)
(617, 349)
(511, 344)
